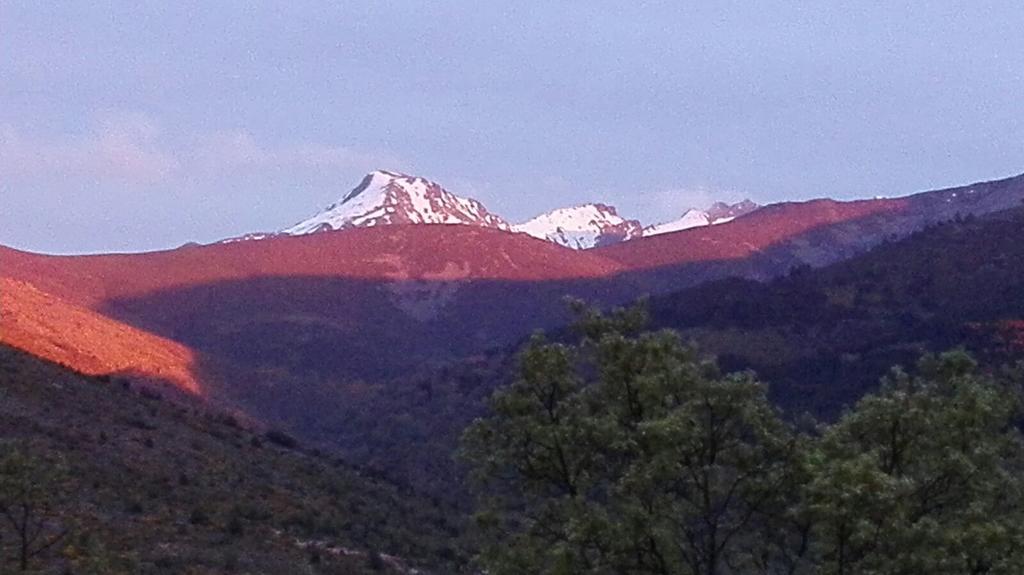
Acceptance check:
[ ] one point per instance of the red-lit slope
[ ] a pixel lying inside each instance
(355, 303)
(367, 302)
(50, 328)
(746, 236)
(390, 254)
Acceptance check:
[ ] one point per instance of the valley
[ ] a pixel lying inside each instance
(384, 341)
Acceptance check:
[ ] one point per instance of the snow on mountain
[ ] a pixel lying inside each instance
(718, 213)
(391, 198)
(691, 219)
(386, 198)
(582, 227)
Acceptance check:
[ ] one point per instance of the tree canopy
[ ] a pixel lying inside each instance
(626, 451)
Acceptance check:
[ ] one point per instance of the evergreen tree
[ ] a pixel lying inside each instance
(30, 490)
(627, 453)
(922, 477)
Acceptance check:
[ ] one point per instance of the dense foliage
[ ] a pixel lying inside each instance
(628, 453)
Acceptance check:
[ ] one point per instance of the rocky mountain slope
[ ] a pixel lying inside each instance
(582, 227)
(391, 198)
(718, 213)
(598, 225)
(384, 198)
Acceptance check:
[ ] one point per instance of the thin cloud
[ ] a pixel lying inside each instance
(678, 200)
(241, 150)
(118, 149)
(131, 148)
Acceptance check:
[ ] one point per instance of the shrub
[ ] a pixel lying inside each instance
(281, 438)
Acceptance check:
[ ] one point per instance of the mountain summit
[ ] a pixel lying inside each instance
(384, 198)
(718, 213)
(582, 227)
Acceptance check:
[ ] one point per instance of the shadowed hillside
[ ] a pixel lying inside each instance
(821, 338)
(155, 486)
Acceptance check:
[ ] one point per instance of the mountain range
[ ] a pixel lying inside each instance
(381, 339)
(388, 198)
(394, 293)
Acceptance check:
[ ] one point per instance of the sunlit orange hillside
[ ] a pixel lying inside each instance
(51, 328)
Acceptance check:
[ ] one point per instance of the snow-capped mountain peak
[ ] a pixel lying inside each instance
(389, 198)
(582, 227)
(384, 198)
(691, 219)
(718, 213)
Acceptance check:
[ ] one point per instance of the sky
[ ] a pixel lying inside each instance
(130, 126)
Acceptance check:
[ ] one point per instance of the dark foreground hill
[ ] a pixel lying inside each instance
(155, 486)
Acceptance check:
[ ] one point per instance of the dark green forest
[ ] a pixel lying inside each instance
(628, 452)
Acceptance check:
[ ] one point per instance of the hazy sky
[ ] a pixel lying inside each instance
(141, 125)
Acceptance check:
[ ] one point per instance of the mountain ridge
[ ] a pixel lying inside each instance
(386, 197)
(717, 213)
